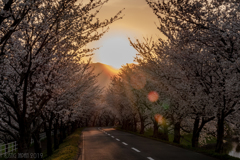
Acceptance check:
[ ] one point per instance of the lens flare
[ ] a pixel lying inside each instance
(165, 105)
(158, 118)
(153, 96)
(138, 81)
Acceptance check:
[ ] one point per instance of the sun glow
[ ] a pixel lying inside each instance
(112, 70)
(116, 51)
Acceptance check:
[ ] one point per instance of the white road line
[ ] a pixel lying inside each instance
(150, 158)
(109, 134)
(112, 136)
(135, 149)
(124, 143)
(117, 139)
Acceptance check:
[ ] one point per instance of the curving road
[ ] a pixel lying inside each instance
(110, 144)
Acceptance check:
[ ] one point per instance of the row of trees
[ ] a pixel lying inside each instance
(45, 82)
(194, 69)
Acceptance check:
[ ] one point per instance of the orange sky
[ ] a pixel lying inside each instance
(138, 21)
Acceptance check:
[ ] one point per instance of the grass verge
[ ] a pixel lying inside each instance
(199, 150)
(68, 150)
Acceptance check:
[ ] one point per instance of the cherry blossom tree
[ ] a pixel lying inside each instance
(117, 99)
(41, 57)
(129, 95)
(186, 99)
(206, 33)
(12, 14)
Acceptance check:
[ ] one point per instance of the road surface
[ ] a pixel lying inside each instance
(110, 144)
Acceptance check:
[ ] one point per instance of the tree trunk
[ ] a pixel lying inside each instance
(177, 134)
(86, 122)
(134, 125)
(68, 129)
(220, 135)
(79, 123)
(155, 129)
(61, 133)
(113, 120)
(64, 132)
(196, 134)
(128, 125)
(195, 139)
(49, 142)
(100, 123)
(197, 129)
(6, 147)
(49, 139)
(23, 146)
(56, 142)
(122, 124)
(74, 126)
(94, 120)
(24, 140)
(37, 145)
(142, 126)
(165, 130)
(107, 122)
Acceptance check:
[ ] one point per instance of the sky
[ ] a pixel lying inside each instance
(139, 21)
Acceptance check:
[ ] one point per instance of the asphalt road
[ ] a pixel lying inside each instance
(110, 144)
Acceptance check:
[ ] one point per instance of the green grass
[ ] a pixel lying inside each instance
(148, 132)
(211, 140)
(10, 148)
(2, 150)
(186, 140)
(1, 158)
(68, 150)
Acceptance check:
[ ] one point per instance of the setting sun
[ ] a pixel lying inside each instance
(116, 51)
